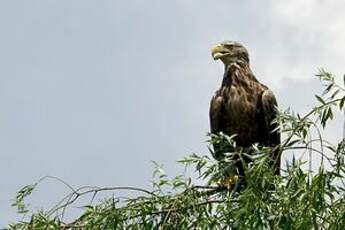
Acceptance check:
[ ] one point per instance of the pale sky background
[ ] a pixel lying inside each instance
(93, 91)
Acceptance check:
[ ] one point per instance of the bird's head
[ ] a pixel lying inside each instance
(229, 52)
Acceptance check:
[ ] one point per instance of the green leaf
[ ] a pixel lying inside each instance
(320, 99)
(335, 93)
(341, 103)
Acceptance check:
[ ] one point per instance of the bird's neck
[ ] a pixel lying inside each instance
(237, 73)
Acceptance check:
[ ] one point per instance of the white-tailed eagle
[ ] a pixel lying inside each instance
(242, 105)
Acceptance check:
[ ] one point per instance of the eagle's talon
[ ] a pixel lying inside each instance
(229, 182)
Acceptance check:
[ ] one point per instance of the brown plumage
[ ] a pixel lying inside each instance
(243, 106)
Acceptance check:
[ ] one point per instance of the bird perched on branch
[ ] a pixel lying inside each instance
(243, 106)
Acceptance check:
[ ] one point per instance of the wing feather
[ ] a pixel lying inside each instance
(216, 114)
(269, 108)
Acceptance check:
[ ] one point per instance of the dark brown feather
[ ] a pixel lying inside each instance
(245, 107)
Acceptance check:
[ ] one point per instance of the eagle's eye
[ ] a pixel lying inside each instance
(229, 46)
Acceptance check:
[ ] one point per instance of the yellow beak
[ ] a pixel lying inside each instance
(219, 51)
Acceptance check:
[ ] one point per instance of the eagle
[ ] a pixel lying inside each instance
(243, 106)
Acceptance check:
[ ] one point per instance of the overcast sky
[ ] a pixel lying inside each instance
(93, 91)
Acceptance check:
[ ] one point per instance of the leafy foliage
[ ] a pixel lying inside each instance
(298, 199)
